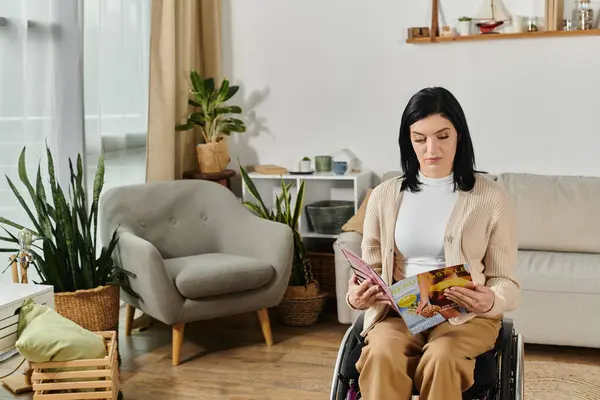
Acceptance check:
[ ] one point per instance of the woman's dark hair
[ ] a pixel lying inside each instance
(436, 101)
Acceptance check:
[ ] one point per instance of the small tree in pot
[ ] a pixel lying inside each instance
(303, 301)
(213, 120)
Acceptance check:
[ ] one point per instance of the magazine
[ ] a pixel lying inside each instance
(418, 299)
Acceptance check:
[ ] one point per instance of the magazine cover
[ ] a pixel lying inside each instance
(419, 299)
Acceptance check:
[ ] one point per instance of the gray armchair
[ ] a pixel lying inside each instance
(197, 253)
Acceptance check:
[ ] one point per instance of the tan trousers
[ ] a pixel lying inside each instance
(441, 360)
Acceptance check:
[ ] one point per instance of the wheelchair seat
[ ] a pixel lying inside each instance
(498, 373)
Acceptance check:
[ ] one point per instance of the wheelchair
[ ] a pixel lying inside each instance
(498, 372)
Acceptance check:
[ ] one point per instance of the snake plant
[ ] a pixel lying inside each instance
(286, 214)
(64, 248)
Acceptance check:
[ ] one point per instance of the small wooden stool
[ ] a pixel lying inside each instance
(222, 178)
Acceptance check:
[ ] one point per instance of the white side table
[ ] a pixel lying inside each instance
(12, 296)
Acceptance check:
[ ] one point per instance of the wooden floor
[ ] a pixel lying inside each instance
(227, 359)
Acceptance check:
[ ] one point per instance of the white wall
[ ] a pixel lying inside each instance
(323, 75)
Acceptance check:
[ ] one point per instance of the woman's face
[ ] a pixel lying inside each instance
(434, 141)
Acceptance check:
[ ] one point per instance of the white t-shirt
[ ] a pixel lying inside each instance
(421, 224)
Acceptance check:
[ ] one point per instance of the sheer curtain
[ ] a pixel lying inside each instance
(41, 92)
(116, 46)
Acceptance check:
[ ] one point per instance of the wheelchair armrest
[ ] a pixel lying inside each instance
(505, 336)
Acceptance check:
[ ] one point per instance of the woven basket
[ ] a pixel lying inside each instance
(301, 306)
(93, 309)
(323, 269)
(328, 216)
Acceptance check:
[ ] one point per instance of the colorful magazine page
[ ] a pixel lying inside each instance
(421, 298)
(364, 271)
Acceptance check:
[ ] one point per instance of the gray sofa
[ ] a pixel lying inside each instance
(558, 261)
(197, 253)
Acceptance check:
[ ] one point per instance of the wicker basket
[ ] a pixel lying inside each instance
(93, 309)
(328, 216)
(323, 269)
(79, 379)
(301, 306)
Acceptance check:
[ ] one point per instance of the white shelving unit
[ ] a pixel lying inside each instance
(319, 186)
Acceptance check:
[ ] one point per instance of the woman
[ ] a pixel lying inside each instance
(440, 212)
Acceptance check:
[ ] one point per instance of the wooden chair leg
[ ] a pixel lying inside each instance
(129, 313)
(265, 325)
(177, 342)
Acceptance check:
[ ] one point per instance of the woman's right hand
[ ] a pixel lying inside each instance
(366, 294)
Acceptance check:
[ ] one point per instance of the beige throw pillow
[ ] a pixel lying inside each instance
(355, 224)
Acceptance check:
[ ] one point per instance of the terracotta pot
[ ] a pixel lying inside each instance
(213, 157)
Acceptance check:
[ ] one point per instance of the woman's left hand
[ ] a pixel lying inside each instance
(479, 300)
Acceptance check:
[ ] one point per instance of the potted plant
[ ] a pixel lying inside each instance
(305, 165)
(64, 248)
(302, 301)
(464, 26)
(213, 120)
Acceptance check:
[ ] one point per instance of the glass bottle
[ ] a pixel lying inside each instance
(583, 15)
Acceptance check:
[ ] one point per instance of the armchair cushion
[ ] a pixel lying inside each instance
(216, 274)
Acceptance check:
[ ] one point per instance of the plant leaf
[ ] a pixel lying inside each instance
(235, 109)
(252, 189)
(24, 205)
(197, 82)
(209, 86)
(223, 90)
(185, 127)
(298, 205)
(231, 92)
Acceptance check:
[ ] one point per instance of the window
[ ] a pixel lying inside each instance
(45, 97)
(116, 59)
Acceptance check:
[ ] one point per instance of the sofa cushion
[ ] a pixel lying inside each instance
(559, 272)
(390, 174)
(555, 213)
(217, 274)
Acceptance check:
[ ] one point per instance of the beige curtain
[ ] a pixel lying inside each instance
(185, 34)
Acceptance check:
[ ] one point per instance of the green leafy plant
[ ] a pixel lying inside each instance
(306, 159)
(212, 115)
(465, 19)
(66, 258)
(284, 213)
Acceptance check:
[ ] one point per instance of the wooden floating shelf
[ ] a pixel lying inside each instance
(504, 36)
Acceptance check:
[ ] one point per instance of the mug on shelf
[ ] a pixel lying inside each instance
(340, 167)
(323, 163)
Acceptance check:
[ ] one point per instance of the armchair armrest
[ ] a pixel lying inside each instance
(158, 295)
(256, 237)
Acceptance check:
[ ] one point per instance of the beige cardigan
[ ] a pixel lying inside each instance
(481, 232)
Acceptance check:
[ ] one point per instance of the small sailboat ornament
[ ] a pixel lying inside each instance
(492, 14)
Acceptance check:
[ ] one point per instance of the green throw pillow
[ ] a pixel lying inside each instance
(44, 335)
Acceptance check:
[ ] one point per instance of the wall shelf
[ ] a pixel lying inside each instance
(352, 186)
(504, 36)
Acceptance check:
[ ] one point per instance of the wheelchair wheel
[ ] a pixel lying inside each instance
(511, 377)
(519, 368)
(338, 386)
